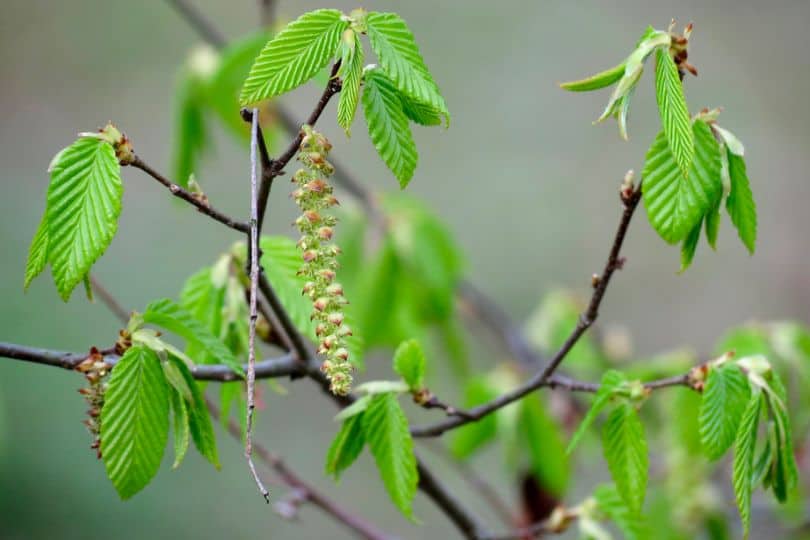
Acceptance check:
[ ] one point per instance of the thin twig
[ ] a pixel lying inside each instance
(108, 300)
(470, 476)
(253, 249)
(614, 262)
(340, 514)
(201, 205)
(267, 12)
(197, 21)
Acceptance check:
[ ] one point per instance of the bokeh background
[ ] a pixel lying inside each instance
(522, 179)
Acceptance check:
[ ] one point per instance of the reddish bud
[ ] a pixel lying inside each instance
(310, 255)
(325, 233)
(335, 318)
(335, 289)
(320, 304)
(342, 354)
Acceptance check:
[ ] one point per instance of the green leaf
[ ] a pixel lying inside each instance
(388, 126)
(37, 253)
(294, 55)
(359, 406)
(409, 362)
(346, 447)
(625, 449)
(724, 399)
(419, 113)
(544, 442)
(393, 42)
(630, 523)
(676, 204)
(713, 223)
(785, 464)
(744, 448)
(226, 82)
(673, 110)
(689, 246)
(134, 421)
(595, 82)
(167, 314)
(181, 428)
(351, 70)
(84, 201)
(191, 138)
(469, 438)
(389, 440)
(199, 420)
(612, 380)
(740, 202)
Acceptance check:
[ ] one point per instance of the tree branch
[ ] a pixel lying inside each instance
(630, 199)
(187, 196)
(310, 494)
(203, 26)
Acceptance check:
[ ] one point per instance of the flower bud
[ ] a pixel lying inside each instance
(344, 331)
(320, 329)
(327, 274)
(342, 354)
(335, 318)
(321, 304)
(335, 289)
(310, 255)
(312, 216)
(325, 233)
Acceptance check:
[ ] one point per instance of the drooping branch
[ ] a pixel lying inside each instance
(352, 521)
(630, 198)
(202, 205)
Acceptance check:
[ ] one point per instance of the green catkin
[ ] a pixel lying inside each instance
(314, 196)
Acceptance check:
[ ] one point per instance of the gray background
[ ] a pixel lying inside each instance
(524, 181)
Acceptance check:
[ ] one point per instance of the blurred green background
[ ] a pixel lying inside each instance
(523, 180)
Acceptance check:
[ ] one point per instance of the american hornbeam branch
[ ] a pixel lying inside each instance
(201, 205)
(283, 365)
(630, 197)
(286, 365)
(352, 521)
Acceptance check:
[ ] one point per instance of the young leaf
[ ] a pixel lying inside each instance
(611, 381)
(740, 202)
(294, 55)
(37, 253)
(389, 440)
(597, 81)
(409, 362)
(689, 246)
(351, 70)
(199, 420)
(134, 421)
(625, 450)
(785, 464)
(180, 423)
(676, 204)
(225, 83)
(346, 447)
(713, 222)
(360, 405)
(281, 261)
(543, 439)
(170, 316)
(191, 137)
(672, 108)
(393, 42)
(84, 201)
(744, 447)
(724, 398)
(419, 113)
(388, 126)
